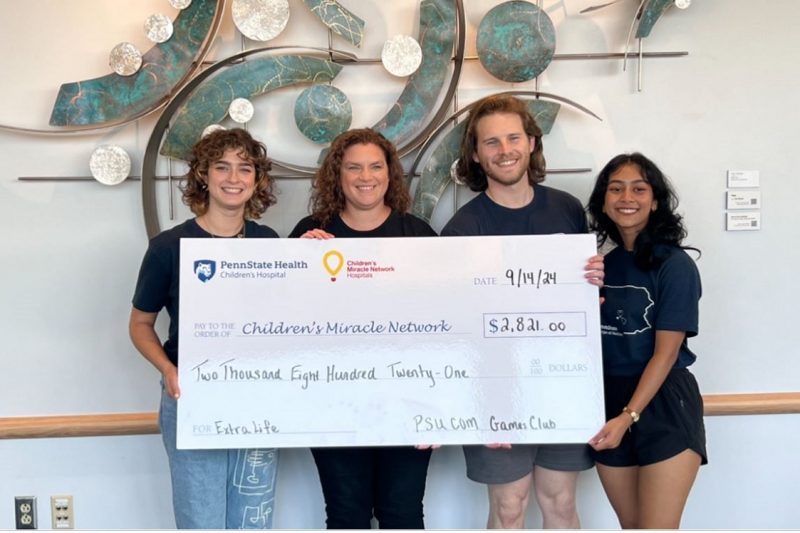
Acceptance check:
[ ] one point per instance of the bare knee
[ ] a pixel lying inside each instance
(507, 506)
(558, 509)
(508, 512)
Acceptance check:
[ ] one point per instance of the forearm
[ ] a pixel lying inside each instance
(146, 341)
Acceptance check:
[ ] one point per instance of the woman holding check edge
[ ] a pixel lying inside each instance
(649, 451)
(359, 191)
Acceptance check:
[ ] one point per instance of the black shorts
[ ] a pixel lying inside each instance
(671, 423)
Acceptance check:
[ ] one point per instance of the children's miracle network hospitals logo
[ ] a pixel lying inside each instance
(205, 269)
(334, 261)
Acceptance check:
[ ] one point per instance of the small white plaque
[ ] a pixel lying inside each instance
(743, 178)
(743, 221)
(744, 199)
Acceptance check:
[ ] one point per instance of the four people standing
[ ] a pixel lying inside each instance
(360, 191)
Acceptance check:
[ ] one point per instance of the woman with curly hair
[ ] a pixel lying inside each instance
(359, 191)
(227, 188)
(649, 451)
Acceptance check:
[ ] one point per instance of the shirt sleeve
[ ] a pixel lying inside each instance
(461, 225)
(152, 287)
(303, 226)
(677, 302)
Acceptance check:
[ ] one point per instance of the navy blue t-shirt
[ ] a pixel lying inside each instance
(551, 211)
(158, 283)
(395, 225)
(639, 302)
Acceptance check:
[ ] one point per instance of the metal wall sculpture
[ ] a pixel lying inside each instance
(515, 43)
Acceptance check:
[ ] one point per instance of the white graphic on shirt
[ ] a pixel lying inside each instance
(625, 310)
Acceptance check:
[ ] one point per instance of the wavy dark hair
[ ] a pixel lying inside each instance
(327, 198)
(471, 171)
(210, 149)
(664, 225)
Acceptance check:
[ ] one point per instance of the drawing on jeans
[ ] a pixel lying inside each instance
(257, 517)
(255, 471)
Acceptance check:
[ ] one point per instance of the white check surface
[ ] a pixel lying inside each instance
(354, 342)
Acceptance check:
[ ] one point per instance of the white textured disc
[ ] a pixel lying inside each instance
(110, 164)
(401, 55)
(180, 4)
(241, 110)
(211, 129)
(458, 180)
(683, 4)
(125, 59)
(158, 28)
(260, 20)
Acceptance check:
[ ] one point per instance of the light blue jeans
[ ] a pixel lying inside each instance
(218, 489)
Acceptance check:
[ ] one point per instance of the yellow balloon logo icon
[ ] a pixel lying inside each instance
(333, 262)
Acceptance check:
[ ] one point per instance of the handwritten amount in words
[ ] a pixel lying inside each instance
(305, 376)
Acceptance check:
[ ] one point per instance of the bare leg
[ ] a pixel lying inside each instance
(622, 488)
(664, 488)
(555, 494)
(508, 503)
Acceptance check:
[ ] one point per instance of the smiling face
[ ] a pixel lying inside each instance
(503, 149)
(364, 177)
(231, 181)
(629, 202)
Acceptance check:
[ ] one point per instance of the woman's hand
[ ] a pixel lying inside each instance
(427, 446)
(317, 233)
(595, 270)
(612, 432)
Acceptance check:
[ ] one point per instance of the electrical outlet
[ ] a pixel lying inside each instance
(25, 512)
(61, 512)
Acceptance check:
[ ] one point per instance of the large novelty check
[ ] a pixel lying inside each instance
(353, 342)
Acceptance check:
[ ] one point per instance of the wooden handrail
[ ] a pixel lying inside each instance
(32, 427)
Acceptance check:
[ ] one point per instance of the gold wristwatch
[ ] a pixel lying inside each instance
(634, 414)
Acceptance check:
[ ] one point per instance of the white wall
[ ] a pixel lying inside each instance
(70, 250)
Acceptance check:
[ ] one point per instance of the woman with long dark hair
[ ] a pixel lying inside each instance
(650, 449)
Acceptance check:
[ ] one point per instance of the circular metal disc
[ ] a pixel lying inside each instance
(260, 20)
(322, 112)
(458, 180)
(401, 55)
(158, 28)
(241, 110)
(683, 4)
(211, 129)
(110, 164)
(516, 41)
(180, 4)
(125, 59)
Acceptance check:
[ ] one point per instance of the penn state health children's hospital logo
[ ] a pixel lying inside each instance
(205, 269)
(333, 261)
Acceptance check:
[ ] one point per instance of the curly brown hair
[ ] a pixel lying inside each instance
(471, 171)
(327, 198)
(211, 148)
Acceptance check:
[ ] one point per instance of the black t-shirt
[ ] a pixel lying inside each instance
(158, 283)
(396, 225)
(639, 303)
(551, 211)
